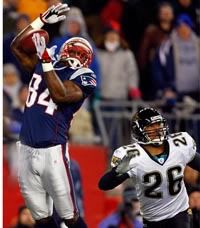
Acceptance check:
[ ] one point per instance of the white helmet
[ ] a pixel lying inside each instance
(77, 52)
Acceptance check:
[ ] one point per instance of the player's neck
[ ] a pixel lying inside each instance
(154, 150)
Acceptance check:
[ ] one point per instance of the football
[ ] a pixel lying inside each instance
(27, 44)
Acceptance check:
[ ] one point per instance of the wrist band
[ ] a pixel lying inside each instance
(47, 67)
(37, 23)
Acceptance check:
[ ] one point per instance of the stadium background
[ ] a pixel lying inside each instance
(103, 124)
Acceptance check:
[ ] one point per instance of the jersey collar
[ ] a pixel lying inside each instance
(161, 158)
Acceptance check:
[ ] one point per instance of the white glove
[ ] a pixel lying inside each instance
(40, 45)
(53, 14)
(44, 54)
(123, 166)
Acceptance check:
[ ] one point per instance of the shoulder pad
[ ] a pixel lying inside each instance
(188, 140)
(82, 71)
(122, 151)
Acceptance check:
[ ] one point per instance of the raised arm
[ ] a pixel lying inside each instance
(112, 179)
(116, 175)
(61, 92)
(51, 16)
(26, 60)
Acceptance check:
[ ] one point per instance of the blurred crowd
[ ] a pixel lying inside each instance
(143, 50)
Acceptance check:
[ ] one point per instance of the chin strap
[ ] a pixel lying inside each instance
(58, 68)
(74, 63)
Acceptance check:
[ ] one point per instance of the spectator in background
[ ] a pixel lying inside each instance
(119, 72)
(7, 104)
(21, 22)
(154, 35)
(82, 131)
(6, 114)
(137, 15)
(194, 202)
(9, 15)
(33, 8)
(18, 111)
(186, 7)
(114, 6)
(88, 7)
(119, 78)
(176, 67)
(11, 82)
(13, 125)
(128, 213)
(25, 219)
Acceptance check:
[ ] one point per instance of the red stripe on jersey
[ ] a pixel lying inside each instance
(72, 192)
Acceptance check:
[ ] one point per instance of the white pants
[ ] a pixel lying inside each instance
(45, 179)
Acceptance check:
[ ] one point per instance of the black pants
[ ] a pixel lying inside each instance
(181, 220)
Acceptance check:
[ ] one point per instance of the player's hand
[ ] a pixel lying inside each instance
(123, 166)
(51, 52)
(54, 14)
(42, 52)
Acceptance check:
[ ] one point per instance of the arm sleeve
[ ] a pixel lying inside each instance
(111, 179)
(86, 80)
(195, 163)
(87, 84)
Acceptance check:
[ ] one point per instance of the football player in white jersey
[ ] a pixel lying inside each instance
(156, 163)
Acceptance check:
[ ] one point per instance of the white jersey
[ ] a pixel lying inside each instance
(159, 184)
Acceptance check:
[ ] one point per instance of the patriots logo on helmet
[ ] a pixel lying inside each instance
(88, 80)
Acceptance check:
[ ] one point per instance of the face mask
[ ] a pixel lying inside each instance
(111, 46)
